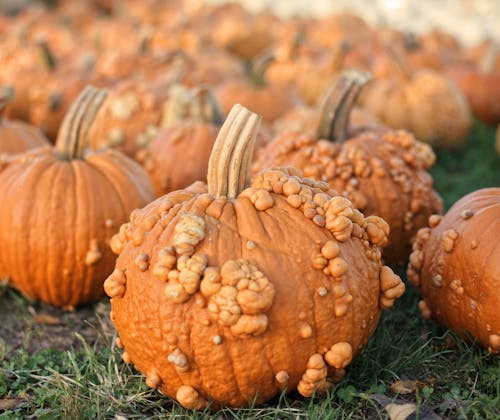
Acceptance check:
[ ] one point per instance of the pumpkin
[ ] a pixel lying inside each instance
(269, 100)
(455, 264)
(422, 101)
(190, 123)
(129, 117)
(16, 136)
(381, 170)
(480, 82)
(232, 292)
(60, 207)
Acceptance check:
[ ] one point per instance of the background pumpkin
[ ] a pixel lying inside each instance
(455, 264)
(381, 170)
(16, 136)
(212, 308)
(60, 207)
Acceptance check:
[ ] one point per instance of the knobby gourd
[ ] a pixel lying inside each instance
(231, 292)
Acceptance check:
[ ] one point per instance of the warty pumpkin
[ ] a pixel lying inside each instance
(455, 264)
(60, 207)
(422, 101)
(190, 123)
(16, 136)
(232, 292)
(381, 170)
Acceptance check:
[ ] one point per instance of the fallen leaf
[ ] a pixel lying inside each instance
(400, 411)
(8, 403)
(404, 387)
(47, 319)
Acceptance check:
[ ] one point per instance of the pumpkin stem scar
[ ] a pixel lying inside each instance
(6, 95)
(337, 106)
(229, 164)
(72, 136)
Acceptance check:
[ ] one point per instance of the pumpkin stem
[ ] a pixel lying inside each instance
(47, 55)
(6, 95)
(229, 164)
(399, 63)
(72, 137)
(259, 67)
(338, 56)
(198, 103)
(488, 61)
(334, 122)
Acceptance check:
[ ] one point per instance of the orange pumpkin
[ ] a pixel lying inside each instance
(455, 264)
(235, 291)
(422, 101)
(382, 171)
(60, 207)
(16, 136)
(190, 123)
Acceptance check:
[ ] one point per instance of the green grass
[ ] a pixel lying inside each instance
(455, 380)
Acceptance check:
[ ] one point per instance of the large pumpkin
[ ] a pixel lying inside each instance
(60, 207)
(234, 292)
(381, 170)
(455, 262)
(16, 136)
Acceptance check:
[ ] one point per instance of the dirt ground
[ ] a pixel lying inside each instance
(35, 326)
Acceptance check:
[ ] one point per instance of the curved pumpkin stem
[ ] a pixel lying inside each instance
(47, 55)
(399, 63)
(334, 123)
(338, 56)
(259, 67)
(197, 103)
(72, 136)
(6, 95)
(229, 164)
(488, 61)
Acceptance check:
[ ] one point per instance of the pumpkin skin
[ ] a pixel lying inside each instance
(245, 340)
(62, 210)
(455, 264)
(16, 136)
(381, 170)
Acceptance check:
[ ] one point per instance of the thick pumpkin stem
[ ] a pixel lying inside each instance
(488, 61)
(399, 63)
(72, 136)
(198, 103)
(6, 95)
(334, 123)
(259, 67)
(229, 164)
(338, 56)
(47, 55)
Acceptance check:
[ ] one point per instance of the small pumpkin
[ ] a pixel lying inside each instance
(190, 123)
(480, 82)
(16, 136)
(60, 207)
(269, 100)
(233, 292)
(421, 101)
(381, 170)
(455, 264)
